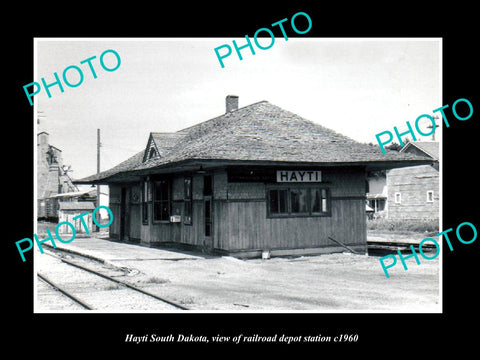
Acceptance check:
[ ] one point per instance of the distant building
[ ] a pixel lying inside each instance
(413, 192)
(52, 177)
(71, 212)
(377, 192)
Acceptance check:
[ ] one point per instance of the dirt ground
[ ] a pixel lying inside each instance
(341, 282)
(330, 283)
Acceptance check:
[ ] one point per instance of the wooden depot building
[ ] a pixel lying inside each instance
(255, 179)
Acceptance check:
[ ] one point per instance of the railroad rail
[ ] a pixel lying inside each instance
(64, 292)
(385, 247)
(107, 277)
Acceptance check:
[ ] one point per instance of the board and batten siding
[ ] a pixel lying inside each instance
(249, 228)
(244, 224)
(240, 221)
(114, 205)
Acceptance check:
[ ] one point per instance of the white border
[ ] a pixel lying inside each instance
(344, 311)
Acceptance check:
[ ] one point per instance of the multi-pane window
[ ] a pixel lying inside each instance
(187, 201)
(207, 185)
(319, 201)
(161, 200)
(278, 201)
(298, 201)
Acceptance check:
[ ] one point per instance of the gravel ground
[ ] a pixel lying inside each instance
(335, 282)
(340, 282)
(101, 294)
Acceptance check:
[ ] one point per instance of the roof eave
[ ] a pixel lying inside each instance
(194, 165)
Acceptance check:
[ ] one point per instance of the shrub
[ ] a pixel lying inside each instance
(424, 225)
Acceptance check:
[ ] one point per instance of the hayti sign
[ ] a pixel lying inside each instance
(299, 176)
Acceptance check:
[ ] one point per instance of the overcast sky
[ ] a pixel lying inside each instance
(358, 87)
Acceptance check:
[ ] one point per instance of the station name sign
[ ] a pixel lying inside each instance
(298, 176)
(270, 175)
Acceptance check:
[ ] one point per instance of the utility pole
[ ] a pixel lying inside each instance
(435, 117)
(98, 171)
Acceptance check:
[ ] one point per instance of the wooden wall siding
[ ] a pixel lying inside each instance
(413, 183)
(114, 205)
(135, 222)
(160, 232)
(245, 191)
(220, 185)
(178, 188)
(240, 215)
(65, 215)
(197, 187)
(134, 200)
(247, 227)
(244, 224)
(345, 182)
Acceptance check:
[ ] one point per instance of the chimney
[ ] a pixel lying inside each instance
(231, 103)
(42, 138)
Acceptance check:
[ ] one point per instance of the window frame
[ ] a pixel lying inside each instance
(399, 194)
(309, 199)
(155, 200)
(433, 196)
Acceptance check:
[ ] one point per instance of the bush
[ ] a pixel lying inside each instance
(425, 225)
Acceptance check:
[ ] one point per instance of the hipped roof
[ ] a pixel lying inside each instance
(261, 133)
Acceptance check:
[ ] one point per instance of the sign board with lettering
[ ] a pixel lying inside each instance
(299, 176)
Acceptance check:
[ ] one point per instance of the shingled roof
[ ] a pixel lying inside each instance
(429, 148)
(259, 133)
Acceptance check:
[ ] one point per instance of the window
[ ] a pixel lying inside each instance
(398, 198)
(319, 201)
(187, 201)
(146, 197)
(278, 202)
(161, 201)
(430, 196)
(298, 201)
(207, 185)
(152, 153)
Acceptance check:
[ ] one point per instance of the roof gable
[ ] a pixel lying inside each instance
(426, 148)
(151, 150)
(159, 144)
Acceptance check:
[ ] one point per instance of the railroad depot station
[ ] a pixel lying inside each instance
(255, 179)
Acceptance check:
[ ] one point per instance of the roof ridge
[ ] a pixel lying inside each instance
(222, 115)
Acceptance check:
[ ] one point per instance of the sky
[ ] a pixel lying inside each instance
(357, 87)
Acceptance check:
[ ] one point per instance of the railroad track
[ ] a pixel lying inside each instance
(384, 247)
(64, 292)
(98, 284)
